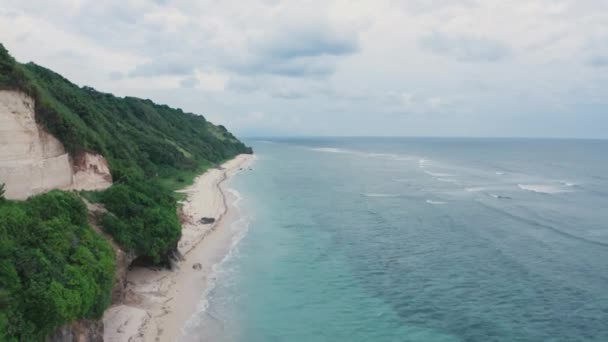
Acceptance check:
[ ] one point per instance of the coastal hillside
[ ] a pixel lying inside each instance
(123, 155)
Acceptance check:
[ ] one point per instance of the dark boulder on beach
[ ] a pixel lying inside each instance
(207, 220)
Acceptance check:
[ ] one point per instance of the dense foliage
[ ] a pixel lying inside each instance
(142, 210)
(53, 267)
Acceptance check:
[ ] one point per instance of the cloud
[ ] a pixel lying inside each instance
(426, 6)
(301, 67)
(243, 85)
(163, 67)
(189, 82)
(465, 48)
(297, 52)
(333, 61)
(288, 95)
(410, 103)
(116, 75)
(282, 39)
(308, 42)
(598, 61)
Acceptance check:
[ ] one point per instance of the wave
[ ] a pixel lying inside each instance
(381, 155)
(380, 195)
(237, 197)
(403, 158)
(447, 180)
(422, 162)
(393, 156)
(330, 150)
(500, 196)
(218, 271)
(475, 189)
(543, 188)
(438, 174)
(434, 202)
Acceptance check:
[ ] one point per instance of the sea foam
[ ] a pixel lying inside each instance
(438, 174)
(330, 150)
(380, 195)
(543, 188)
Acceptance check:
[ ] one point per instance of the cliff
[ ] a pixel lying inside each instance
(63, 262)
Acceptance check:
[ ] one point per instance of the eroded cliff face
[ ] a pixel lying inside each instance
(90, 172)
(32, 161)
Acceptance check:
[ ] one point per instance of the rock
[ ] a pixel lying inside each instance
(197, 266)
(207, 220)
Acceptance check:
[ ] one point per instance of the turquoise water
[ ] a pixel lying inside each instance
(416, 240)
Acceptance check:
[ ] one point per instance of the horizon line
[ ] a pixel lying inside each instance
(420, 137)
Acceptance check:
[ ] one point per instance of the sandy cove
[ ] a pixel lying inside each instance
(159, 302)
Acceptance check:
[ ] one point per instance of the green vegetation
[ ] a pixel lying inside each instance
(142, 210)
(181, 179)
(53, 267)
(44, 242)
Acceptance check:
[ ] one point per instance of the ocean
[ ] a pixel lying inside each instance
(415, 239)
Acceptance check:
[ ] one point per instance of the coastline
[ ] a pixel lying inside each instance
(159, 302)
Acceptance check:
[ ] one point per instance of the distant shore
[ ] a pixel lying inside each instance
(159, 302)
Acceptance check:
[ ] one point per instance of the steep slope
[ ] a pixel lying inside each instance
(88, 138)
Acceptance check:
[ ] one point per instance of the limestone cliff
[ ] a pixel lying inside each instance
(32, 161)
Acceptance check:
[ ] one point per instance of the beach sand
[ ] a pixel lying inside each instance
(159, 302)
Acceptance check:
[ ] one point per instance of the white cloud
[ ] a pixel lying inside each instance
(212, 81)
(333, 67)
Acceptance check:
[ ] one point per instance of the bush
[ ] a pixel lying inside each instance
(143, 218)
(53, 267)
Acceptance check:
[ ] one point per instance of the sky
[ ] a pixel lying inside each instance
(490, 68)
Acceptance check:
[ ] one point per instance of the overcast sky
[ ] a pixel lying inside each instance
(377, 67)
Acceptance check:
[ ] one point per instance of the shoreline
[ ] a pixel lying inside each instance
(159, 302)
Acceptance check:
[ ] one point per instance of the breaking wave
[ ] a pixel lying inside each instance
(331, 150)
(543, 188)
(380, 195)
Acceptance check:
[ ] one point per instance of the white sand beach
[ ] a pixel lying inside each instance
(159, 302)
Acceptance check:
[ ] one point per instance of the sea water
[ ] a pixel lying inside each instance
(415, 240)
